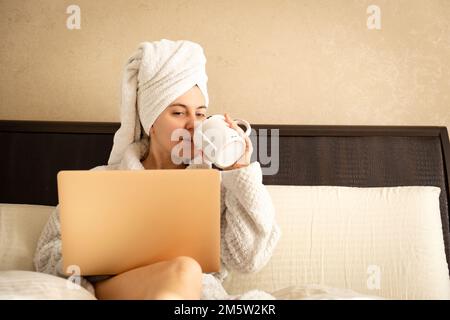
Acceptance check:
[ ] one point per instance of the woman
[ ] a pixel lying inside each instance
(164, 89)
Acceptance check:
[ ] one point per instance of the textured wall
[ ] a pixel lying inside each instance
(296, 62)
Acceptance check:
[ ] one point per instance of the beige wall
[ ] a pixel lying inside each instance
(287, 62)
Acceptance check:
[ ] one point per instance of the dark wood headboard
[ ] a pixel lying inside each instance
(32, 152)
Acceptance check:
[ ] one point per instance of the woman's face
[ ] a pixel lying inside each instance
(180, 114)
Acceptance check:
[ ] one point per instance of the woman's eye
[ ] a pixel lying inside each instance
(180, 113)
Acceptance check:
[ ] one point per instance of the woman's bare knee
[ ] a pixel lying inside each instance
(187, 274)
(184, 264)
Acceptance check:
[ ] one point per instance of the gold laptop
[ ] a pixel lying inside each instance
(113, 221)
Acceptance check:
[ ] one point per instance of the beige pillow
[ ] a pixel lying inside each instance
(385, 242)
(25, 285)
(20, 228)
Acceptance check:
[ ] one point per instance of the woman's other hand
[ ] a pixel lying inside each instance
(245, 159)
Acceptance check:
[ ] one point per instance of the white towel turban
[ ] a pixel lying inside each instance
(156, 75)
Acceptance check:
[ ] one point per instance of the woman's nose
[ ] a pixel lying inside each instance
(190, 122)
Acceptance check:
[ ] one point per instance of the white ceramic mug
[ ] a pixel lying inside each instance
(219, 143)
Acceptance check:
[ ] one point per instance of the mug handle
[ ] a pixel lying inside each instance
(248, 131)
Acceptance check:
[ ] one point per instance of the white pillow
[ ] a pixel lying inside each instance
(25, 285)
(385, 242)
(20, 228)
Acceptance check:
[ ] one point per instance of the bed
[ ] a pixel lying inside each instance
(309, 155)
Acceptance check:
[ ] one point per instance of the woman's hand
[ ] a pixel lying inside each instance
(245, 159)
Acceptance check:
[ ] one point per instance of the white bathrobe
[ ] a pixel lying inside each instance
(249, 232)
